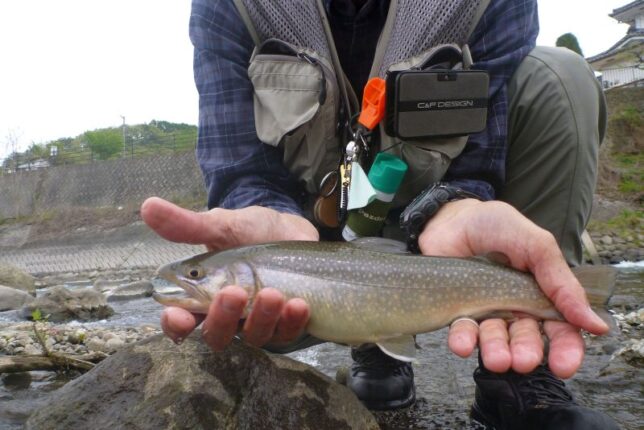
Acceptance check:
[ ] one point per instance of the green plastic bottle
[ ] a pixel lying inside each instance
(386, 175)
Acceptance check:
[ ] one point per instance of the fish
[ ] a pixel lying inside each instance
(372, 290)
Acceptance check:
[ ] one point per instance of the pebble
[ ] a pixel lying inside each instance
(17, 339)
(114, 344)
(635, 318)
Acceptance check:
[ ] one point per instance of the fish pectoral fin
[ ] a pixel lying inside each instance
(401, 347)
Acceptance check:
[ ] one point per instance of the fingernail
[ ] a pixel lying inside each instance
(596, 318)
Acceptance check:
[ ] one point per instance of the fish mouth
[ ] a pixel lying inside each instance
(184, 299)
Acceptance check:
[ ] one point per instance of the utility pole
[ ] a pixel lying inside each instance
(123, 135)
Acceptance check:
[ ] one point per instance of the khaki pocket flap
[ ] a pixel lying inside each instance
(287, 95)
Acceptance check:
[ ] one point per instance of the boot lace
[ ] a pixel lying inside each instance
(374, 358)
(541, 389)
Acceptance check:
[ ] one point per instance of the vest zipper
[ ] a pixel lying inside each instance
(289, 51)
(311, 60)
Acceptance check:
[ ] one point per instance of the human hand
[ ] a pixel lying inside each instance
(272, 318)
(469, 227)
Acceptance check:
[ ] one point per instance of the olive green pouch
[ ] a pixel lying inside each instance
(428, 158)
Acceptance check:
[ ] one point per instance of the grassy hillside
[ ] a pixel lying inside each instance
(621, 174)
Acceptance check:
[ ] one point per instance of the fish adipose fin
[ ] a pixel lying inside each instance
(599, 284)
(401, 347)
(381, 244)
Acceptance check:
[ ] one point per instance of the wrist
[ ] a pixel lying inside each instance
(426, 206)
(296, 227)
(451, 208)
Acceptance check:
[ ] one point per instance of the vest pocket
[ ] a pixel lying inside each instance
(427, 158)
(296, 106)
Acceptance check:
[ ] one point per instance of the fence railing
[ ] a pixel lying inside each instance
(84, 154)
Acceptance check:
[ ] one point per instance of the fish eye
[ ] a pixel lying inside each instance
(194, 272)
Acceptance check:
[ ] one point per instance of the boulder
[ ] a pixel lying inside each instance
(12, 298)
(60, 304)
(157, 384)
(15, 277)
(133, 290)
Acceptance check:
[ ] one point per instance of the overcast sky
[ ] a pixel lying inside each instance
(74, 65)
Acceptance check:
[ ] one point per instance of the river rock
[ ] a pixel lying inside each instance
(15, 277)
(134, 290)
(12, 298)
(61, 304)
(157, 384)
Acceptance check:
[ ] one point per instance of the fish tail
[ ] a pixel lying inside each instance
(599, 284)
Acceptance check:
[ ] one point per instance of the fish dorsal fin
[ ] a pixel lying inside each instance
(381, 244)
(401, 347)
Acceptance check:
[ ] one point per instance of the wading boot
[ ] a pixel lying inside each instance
(379, 381)
(536, 401)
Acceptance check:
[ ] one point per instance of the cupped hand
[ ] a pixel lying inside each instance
(469, 227)
(272, 319)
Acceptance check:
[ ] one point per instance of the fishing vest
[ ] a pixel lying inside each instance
(302, 97)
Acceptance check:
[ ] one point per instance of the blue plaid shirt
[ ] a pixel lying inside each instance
(240, 171)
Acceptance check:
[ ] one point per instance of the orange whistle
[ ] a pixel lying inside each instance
(373, 103)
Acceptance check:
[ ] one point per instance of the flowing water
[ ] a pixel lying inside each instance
(445, 388)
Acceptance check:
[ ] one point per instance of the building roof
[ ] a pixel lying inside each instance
(626, 8)
(628, 12)
(637, 35)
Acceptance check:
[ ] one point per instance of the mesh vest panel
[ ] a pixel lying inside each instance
(297, 22)
(421, 24)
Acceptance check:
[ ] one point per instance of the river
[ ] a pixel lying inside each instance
(445, 388)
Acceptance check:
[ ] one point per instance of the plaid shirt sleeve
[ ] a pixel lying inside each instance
(506, 33)
(238, 169)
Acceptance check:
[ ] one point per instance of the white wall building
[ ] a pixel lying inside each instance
(623, 63)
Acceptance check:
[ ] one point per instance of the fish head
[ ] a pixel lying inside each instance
(200, 277)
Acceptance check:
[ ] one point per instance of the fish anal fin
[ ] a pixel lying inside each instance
(401, 347)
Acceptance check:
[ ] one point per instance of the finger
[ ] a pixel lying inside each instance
(566, 348)
(562, 287)
(181, 225)
(526, 345)
(493, 341)
(178, 323)
(293, 320)
(221, 228)
(463, 337)
(224, 314)
(262, 321)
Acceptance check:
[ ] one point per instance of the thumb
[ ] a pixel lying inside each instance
(178, 224)
(223, 228)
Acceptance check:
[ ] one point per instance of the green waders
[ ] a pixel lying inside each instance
(557, 120)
